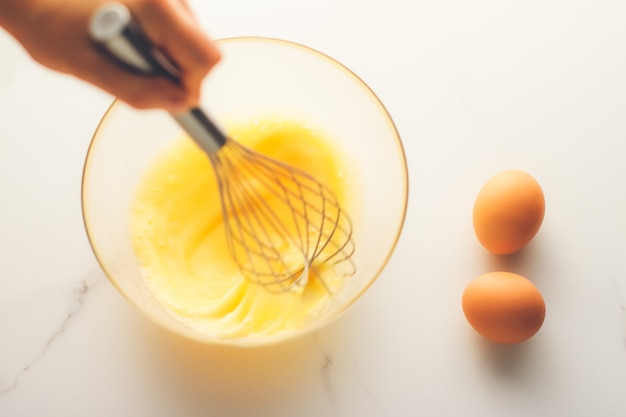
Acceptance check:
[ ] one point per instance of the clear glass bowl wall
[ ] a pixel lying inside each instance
(257, 76)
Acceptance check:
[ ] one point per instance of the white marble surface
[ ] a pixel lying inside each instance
(474, 87)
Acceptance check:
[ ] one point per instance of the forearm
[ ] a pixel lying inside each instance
(15, 15)
(9, 8)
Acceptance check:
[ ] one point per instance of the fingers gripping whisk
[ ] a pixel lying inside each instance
(283, 227)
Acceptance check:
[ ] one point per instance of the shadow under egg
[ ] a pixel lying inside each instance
(525, 262)
(506, 360)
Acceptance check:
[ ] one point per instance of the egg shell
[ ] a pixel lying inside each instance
(508, 211)
(503, 307)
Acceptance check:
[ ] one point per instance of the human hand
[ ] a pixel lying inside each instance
(55, 33)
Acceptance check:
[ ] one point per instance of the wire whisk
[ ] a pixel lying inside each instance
(279, 251)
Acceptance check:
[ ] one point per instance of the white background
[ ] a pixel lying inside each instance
(474, 87)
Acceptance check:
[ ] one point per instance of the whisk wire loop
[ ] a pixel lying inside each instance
(277, 252)
(249, 242)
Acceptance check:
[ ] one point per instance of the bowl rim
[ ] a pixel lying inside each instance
(272, 339)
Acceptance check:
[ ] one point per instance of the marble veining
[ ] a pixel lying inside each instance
(327, 378)
(333, 381)
(326, 374)
(371, 397)
(80, 292)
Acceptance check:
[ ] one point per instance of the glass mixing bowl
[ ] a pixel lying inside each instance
(256, 76)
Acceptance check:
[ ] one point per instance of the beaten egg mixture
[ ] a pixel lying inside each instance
(178, 235)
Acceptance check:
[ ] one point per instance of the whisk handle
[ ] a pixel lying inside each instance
(114, 29)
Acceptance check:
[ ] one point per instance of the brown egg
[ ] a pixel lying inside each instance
(503, 307)
(508, 212)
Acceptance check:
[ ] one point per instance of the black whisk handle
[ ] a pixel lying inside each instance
(113, 28)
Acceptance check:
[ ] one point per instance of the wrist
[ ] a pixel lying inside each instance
(14, 14)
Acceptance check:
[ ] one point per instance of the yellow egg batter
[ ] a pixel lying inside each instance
(178, 235)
